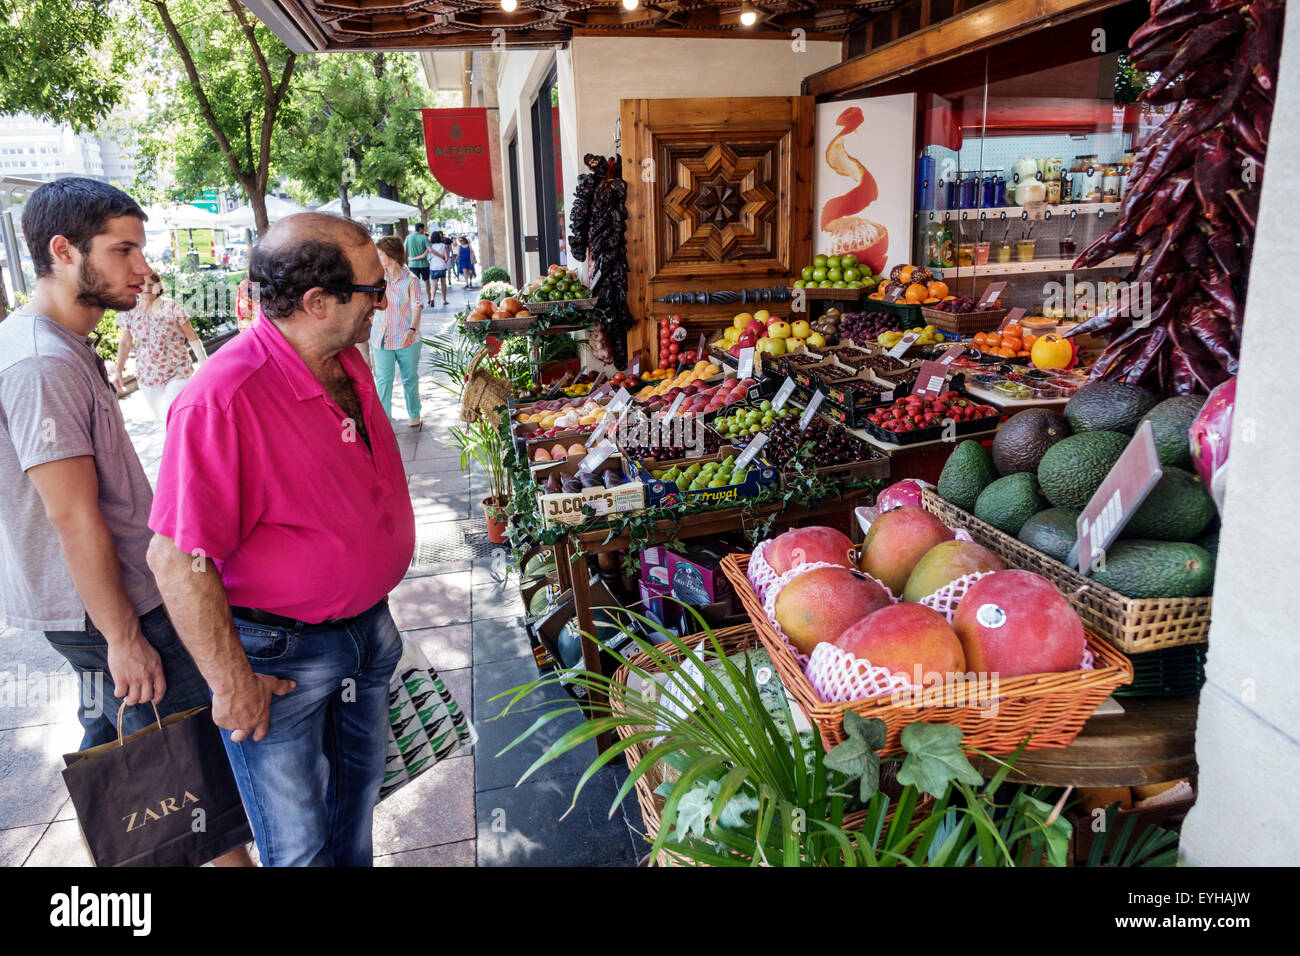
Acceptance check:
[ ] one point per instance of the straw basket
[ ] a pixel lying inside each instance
(731, 639)
(1051, 707)
(483, 390)
(1134, 625)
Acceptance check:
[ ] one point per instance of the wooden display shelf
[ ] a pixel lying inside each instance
(1036, 212)
(1033, 267)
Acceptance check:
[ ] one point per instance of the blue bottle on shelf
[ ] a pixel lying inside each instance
(925, 186)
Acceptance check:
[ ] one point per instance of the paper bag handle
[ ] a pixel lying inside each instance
(122, 710)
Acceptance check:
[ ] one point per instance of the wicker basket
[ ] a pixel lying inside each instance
(1134, 625)
(964, 323)
(1052, 707)
(483, 390)
(731, 639)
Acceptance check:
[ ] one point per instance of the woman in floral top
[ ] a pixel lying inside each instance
(158, 329)
(395, 331)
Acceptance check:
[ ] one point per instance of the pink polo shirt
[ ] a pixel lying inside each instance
(262, 472)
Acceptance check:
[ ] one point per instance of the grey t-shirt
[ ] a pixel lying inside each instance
(56, 402)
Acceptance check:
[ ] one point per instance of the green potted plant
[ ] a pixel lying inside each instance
(742, 788)
(481, 442)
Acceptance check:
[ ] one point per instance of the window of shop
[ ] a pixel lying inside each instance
(546, 174)
(520, 272)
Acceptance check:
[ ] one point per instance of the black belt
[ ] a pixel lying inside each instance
(276, 620)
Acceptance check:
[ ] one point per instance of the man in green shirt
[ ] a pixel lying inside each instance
(417, 257)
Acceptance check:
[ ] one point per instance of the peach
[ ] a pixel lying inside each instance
(821, 604)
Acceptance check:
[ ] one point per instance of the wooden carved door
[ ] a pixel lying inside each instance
(719, 198)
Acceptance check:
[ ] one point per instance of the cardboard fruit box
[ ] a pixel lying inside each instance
(566, 507)
(761, 476)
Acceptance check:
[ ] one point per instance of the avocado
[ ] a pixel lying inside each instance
(1108, 407)
(1052, 532)
(1170, 422)
(1140, 568)
(1073, 469)
(967, 472)
(1025, 437)
(1209, 540)
(1177, 509)
(1009, 502)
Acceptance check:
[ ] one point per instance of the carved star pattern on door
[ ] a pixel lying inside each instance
(720, 203)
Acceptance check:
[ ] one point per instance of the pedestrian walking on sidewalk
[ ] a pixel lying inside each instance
(281, 466)
(395, 331)
(73, 532)
(465, 253)
(439, 254)
(417, 256)
(161, 334)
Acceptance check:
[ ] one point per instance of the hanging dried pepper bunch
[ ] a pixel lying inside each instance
(1193, 195)
(608, 243)
(580, 214)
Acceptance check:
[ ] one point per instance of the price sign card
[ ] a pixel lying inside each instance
(636, 364)
(596, 457)
(745, 367)
(952, 354)
(1125, 488)
(903, 345)
(753, 448)
(991, 294)
(677, 403)
(1013, 315)
(699, 349)
(622, 398)
(814, 403)
(930, 380)
(783, 395)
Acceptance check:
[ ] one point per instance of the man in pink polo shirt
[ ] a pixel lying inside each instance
(282, 521)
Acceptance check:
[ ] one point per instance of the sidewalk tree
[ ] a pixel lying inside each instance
(236, 92)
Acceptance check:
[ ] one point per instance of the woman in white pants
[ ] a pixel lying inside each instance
(159, 331)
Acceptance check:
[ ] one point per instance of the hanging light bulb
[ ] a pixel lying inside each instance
(748, 15)
(509, 5)
(631, 4)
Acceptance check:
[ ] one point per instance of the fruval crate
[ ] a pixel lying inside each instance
(850, 408)
(1051, 707)
(963, 323)
(1134, 625)
(761, 476)
(978, 426)
(634, 679)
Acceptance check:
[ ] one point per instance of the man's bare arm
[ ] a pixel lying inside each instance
(69, 490)
(200, 610)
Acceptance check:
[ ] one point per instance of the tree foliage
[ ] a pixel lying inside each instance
(66, 61)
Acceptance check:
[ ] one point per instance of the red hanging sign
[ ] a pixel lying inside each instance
(456, 144)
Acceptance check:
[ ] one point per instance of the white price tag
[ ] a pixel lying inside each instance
(596, 457)
(951, 355)
(813, 404)
(745, 367)
(991, 294)
(622, 398)
(636, 365)
(753, 448)
(903, 345)
(783, 395)
(677, 403)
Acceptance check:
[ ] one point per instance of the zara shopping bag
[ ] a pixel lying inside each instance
(164, 796)
(425, 725)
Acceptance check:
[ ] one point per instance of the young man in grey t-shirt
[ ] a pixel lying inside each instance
(75, 507)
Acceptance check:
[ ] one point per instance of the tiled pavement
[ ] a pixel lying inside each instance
(467, 810)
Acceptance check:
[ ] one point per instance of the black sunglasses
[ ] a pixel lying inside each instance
(372, 289)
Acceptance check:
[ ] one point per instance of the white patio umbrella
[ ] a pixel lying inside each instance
(276, 209)
(372, 209)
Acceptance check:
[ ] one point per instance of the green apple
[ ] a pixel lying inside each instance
(834, 274)
(819, 261)
(826, 284)
(839, 285)
(833, 262)
(800, 284)
(806, 275)
(851, 274)
(848, 262)
(819, 275)
(855, 285)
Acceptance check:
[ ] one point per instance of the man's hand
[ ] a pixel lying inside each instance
(136, 670)
(410, 338)
(246, 709)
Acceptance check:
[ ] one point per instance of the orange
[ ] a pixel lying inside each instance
(994, 340)
(938, 289)
(1022, 352)
(1030, 339)
(906, 274)
(949, 298)
(980, 339)
(916, 293)
(1012, 328)
(930, 301)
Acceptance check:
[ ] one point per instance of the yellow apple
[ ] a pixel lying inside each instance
(772, 346)
(731, 334)
(779, 330)
(742, 320)
(763, 315)
(795, 344)
(800, 329)
(816, 340)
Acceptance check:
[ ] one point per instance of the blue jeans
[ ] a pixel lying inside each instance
(408, 360)
(310, 785)
(87, 652)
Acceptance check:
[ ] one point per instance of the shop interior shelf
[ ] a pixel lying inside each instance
(1036, 210)
(1035, 266)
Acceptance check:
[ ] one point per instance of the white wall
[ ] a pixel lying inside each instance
(594, 73)
(1248, 727)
